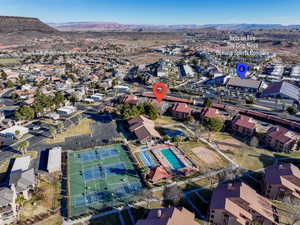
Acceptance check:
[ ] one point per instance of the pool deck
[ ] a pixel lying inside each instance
(179, 154)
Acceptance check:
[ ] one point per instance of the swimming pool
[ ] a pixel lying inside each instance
(172, 158)
(173, 133)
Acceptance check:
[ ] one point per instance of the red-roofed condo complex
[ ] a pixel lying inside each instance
(282, 181)
(169, 216)
(244, 125)
(207, 112)
(181, 110)
(281, 139)
(239, 204)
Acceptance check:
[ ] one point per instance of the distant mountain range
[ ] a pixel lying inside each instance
(99, 26)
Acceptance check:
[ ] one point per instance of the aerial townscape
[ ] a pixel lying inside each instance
(120, 124)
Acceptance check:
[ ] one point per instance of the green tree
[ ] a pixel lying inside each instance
(3, 75)
(292, 109)
(61, 127)
(23, 146)
(17, 133)
(10, 84)
(207, 102)
(24, 113)
(52, 132)
(213, 124)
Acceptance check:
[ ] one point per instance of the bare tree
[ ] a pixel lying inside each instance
(254, 142)
(174, 194)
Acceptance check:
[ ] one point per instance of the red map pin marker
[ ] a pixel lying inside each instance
(160, 90)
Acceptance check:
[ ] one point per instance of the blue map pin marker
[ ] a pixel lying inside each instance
(241, 70)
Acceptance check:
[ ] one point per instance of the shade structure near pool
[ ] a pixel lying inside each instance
(172, 159)
(146, 158)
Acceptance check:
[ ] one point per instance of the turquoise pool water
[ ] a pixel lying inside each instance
(172, 158)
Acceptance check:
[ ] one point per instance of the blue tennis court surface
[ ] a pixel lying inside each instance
(98, 154)
(105, 171)
(147, 160)
(91, 198)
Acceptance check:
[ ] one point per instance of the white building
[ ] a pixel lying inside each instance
(54, 160)
(295, 72)
(11, 131)
(53, 116)
(97, 97)
(66, 110)
(21, 164)
(121, 88)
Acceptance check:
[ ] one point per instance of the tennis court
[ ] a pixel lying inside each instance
(99, 177)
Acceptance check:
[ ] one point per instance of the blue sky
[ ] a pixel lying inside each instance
(157, 11)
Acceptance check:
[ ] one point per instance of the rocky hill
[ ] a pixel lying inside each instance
(9, 24)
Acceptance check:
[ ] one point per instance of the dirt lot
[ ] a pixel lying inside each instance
(206, 155)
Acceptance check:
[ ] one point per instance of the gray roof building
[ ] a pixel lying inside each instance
(282, 90)
(246, 84)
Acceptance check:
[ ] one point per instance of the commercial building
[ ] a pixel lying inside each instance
(282, 90)
(244, 85)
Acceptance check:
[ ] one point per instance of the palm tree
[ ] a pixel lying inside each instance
(61, 127)
(23, 146)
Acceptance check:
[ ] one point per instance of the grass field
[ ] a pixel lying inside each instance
(95, 190)
(247, 157)
(9, 61)
(82, 128)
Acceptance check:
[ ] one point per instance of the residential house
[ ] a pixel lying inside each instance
(181, 110)
(282, 181)
(239, 204)
(280, 139)
(243, 125)
(282, 90)
(169, 216)
(143, 129)
(244, 85)
(8, 209)
(22, 177)
(129, 99)
(97, 97)
(66, 110)
(14, 131)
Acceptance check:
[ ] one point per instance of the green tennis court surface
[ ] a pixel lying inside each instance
(100, 177)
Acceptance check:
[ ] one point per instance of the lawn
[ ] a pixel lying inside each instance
(9, 60)
(82, 128)
(46, 197)
(247, 157)
(164, 120)
(52, 220)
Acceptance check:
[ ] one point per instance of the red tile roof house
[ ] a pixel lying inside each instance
(129, 99)
(181, 110)
(281, 139)
(239, 204)
(169, 216)
(243, 125)
(157, 174)
(207, 112)
(143, 129)
(282, 181)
